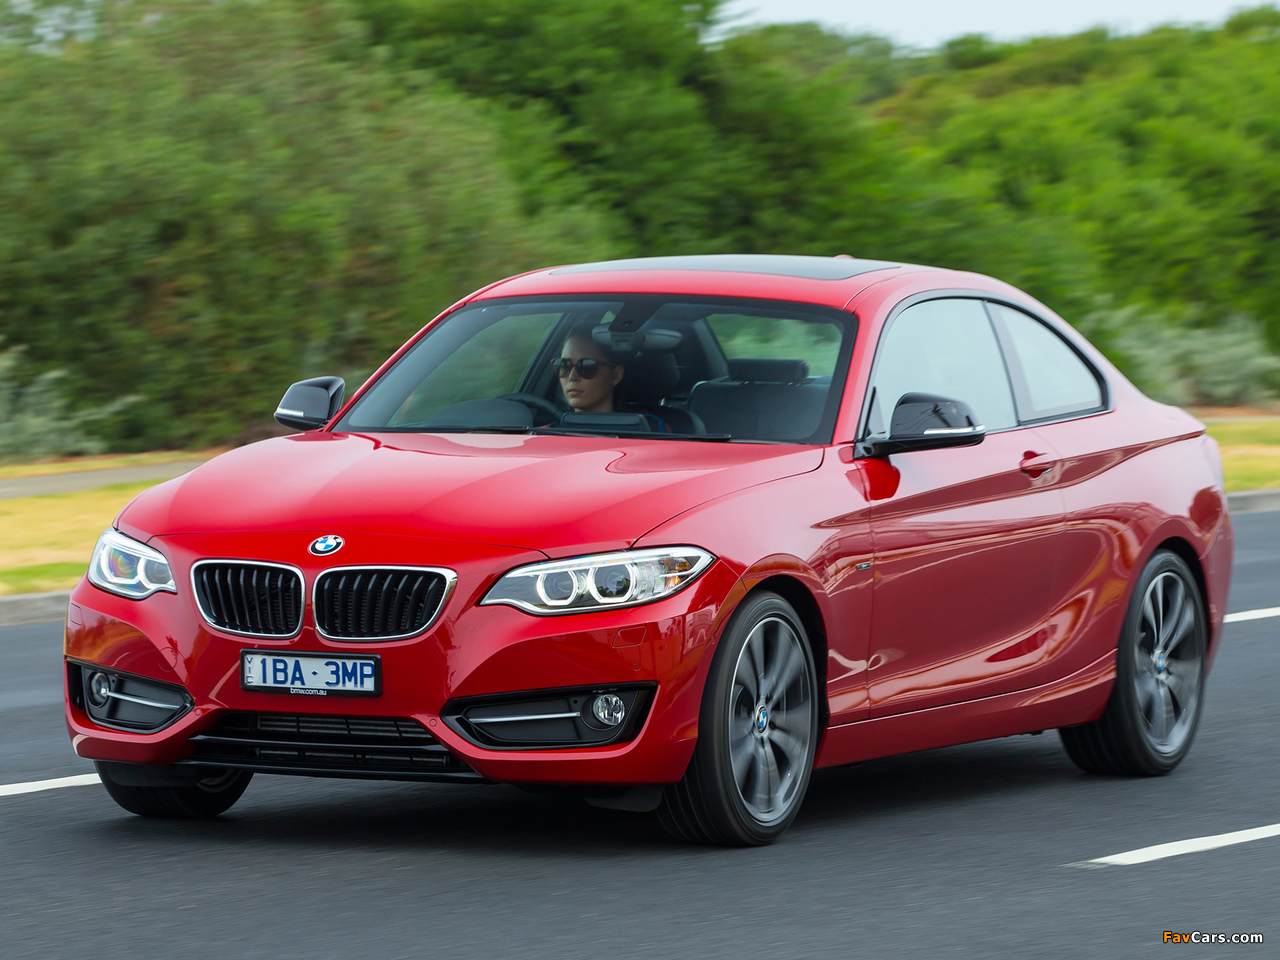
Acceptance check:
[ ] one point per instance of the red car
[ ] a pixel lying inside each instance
(668, 533)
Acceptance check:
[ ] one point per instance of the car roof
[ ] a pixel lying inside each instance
(777, 265)
(830, 281)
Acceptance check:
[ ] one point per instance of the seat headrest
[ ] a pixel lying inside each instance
(768, 371)
(650, 377)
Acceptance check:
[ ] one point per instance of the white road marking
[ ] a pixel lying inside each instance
(35, 786)
(1252, 615)
(1176, 849)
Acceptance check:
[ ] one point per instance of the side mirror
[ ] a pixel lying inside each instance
(311, 403)
(922, 421)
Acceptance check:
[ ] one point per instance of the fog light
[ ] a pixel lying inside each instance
(99, 689)
(609, 709)
(125, 702)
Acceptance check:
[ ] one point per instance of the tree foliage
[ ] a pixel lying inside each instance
(201, 201)
(1160, 152)
(36, 418)
(753, 144)
(210, 203)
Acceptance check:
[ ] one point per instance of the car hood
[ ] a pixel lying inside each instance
(555, 494)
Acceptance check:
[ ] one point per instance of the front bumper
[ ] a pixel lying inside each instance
(470, 651)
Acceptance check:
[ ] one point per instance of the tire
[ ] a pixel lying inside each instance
(207, 797)
(757, 733)
(1151, 717)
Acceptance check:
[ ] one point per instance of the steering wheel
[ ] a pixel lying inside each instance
(535, 402)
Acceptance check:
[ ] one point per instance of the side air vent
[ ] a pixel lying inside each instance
(379, 603)
(249, 598)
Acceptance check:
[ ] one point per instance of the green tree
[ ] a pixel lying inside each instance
(222, 198)
(1161, 152)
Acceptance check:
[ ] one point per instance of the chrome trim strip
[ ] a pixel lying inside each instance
(532, 716)
(261, 563)
(930, 431)
(145, 703)
(450, 581)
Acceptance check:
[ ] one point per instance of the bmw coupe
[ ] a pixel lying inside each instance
(668, 534)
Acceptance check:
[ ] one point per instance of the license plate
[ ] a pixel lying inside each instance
(310, 674)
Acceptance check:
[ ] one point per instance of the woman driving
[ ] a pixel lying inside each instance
(589, 379)
(587, 376)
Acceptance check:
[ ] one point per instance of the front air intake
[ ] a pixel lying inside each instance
(379, 603)
(552, 719)
(123, 701)
(249, 598)
(320, 745)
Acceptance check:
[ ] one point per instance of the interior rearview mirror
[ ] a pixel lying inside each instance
(311, 403)
(923, 421)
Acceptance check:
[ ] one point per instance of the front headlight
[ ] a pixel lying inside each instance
(126, 567)
(607, 580)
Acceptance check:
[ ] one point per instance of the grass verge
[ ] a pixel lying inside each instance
(1250, 453)
(110, 461)
(47, 540)
(40, 577)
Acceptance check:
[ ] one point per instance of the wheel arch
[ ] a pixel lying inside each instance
(1184, 550)
(805, 604)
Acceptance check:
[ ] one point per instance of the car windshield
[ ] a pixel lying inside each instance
(687, 369)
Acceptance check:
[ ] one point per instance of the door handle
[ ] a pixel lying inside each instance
(1033, 464)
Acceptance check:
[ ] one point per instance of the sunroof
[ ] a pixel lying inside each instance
(811, 268)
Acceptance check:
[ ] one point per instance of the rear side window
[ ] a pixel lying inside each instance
(947, 348)
(1050, 378)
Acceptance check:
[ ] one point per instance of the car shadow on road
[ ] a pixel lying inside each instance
(442, 817)
(940, 778)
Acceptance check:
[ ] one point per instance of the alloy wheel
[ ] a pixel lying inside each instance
(770, 720)
(1168, 662)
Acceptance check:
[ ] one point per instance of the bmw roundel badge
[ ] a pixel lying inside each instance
(323, 546)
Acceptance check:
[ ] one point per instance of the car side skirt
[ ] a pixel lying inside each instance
(1078, 698)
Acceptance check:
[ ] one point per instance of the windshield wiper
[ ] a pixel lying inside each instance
(632, 434)
(556, 431)
(712, 437)
(426, 428)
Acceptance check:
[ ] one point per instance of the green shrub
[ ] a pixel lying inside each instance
(1226, 364)
(207, 203)
(35, 418)
(972, 50)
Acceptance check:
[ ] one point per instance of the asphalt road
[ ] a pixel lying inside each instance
(961, 852)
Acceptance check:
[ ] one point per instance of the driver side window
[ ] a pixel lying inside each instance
(947, 348)
(489, 364)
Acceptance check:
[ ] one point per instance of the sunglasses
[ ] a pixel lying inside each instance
(586, 367)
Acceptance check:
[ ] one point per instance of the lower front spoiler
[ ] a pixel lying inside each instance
(319, 745)
(461, 776)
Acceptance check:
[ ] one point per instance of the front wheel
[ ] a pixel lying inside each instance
(1151, 717)
(757, 733)
(204, 798)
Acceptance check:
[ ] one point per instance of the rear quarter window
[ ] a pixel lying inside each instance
(1050, 378)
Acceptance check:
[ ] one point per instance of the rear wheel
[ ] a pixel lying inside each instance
(1151, 718)
(757, 733)
(206, 797)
